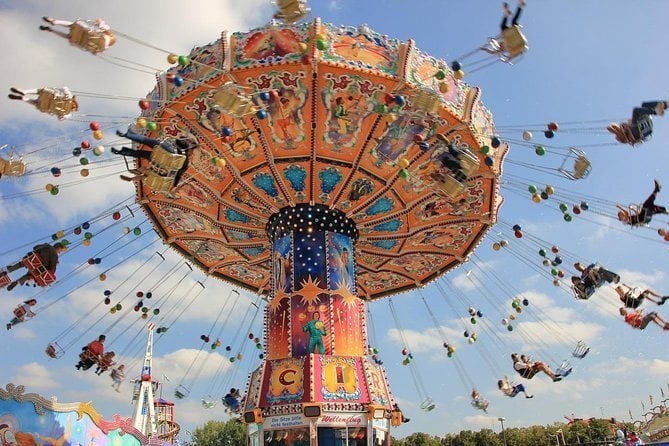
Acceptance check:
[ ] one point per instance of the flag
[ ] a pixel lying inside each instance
(629, 411)
(643, 407)
(662, 392)
(650, 398)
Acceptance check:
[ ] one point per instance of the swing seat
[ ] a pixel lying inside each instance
(4, 280)
(208, 403)
(428, 405)
(88, 36)
(632, 213)
(578, 294)
(396, 418)
(564, 370)
(19, 312)
(632, 133)
(233, 102)
(581, 167)
(447, 183)
(158, 183)
(580, 350)
(514, 43)
(426, 100)
(87, 359)
(163, 170)
(54, 350)
(643, 128)
(165, 162)
(40, 275)
(291, 11)
(469, 162)
(54, 102)
(12, 167)
(481, 404)
(181, 392)
(229, 407)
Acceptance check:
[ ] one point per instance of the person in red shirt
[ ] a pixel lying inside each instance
(91, 353)
(638, 320)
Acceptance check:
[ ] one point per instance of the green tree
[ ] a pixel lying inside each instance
(217, 433)
(486, 437)
(538, 436)
(601, 430)
(578, 432)
(421, 439)
(465, 438)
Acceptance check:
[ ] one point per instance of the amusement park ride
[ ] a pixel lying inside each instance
(332, 166)
(322, 167)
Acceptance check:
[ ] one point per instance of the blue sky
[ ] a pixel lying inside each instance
(586, 63)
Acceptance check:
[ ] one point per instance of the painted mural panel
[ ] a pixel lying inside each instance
(339, 379)
(285, 382)
(278, 319)
(30, 419)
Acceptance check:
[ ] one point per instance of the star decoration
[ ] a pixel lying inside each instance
(343, 290)
(276, 302)
(310, 291)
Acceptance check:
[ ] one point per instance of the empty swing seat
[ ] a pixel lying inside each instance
(565, 369)
(428, 405)
(181, 392)
(581, 350)
(208, 403)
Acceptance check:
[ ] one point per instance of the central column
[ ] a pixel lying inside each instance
(314, 306)
(316, 384)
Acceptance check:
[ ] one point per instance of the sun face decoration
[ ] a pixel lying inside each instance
(310, 291)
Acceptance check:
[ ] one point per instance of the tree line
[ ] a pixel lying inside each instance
(583, 432)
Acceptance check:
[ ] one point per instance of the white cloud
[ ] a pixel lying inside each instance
(206, 363)
(418, 342)
(622, 365)
(35, 376)
(537, 334)
(476, 422)
(470, 279)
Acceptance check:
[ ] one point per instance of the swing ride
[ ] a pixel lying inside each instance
(332, 167)
(341, 195)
